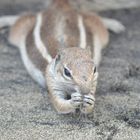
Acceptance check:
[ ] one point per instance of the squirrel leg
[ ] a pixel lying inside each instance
(88, 104)
(63, 105)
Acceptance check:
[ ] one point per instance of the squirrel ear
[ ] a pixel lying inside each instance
(95, 69)
(57, 59)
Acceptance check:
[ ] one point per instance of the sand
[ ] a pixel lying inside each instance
(25, 110)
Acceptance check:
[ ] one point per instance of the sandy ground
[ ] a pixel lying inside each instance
(25, 110)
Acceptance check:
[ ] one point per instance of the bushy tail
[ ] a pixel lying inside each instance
(113, 25)
(8, 21)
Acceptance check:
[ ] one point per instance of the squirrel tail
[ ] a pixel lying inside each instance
(113, 25)
(8, 20)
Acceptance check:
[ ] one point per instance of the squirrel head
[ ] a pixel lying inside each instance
(74, 68)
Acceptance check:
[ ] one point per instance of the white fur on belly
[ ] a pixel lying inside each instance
(35, 73)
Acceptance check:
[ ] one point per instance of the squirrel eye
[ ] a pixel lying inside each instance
(67, 72)
(95, 70)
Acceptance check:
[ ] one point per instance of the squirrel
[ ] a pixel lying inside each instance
(61, 50)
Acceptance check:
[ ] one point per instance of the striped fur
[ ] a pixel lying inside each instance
(41, 39)
(38, 41)
(35, 73)
(82, 32)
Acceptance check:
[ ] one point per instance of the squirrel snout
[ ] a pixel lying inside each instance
(85, 90)
(82, 89)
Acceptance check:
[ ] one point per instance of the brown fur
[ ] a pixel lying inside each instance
(79, 61)
(47, 32)
(34, 54)
(50, 20)
(21, 28)
(94, 23)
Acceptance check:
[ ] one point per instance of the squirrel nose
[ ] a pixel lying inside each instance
(82, 89)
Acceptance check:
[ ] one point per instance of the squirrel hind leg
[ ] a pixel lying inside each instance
(113, 25)
(21, 28)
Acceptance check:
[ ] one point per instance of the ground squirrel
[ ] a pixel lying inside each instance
(61, 50)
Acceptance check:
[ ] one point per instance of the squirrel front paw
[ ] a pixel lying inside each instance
(76, 100)
(88, 104)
